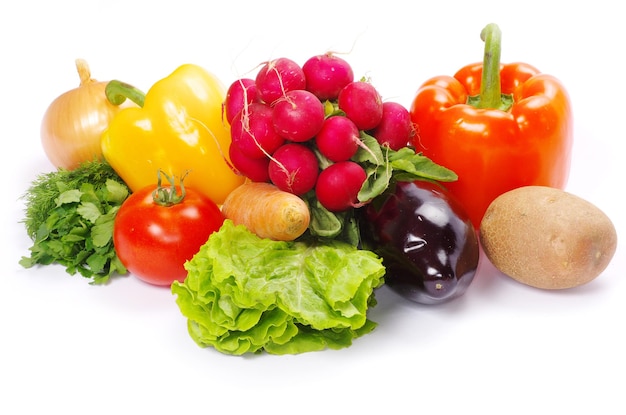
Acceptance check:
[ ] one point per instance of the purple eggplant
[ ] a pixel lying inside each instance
(427, 242)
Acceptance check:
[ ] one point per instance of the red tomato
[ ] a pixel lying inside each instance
(154, 241)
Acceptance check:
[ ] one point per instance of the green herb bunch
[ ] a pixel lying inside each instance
(69, 215)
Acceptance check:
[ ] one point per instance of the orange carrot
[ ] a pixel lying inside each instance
(267, 211)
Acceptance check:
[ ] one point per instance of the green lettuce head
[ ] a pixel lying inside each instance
(244, 294)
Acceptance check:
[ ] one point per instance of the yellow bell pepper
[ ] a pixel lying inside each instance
(177, 128)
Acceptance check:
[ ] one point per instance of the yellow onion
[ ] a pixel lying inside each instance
(74, 122)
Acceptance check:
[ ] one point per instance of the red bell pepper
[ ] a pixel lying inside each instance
(498, 126)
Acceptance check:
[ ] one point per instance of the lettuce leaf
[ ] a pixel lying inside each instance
(244, 294)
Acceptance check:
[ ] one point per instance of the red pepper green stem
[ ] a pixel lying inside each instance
(490, 88)
(168, 196)
(117, 92)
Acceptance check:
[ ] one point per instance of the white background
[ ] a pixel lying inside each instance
(73, 348)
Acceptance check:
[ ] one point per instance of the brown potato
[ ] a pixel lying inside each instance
(547, 238)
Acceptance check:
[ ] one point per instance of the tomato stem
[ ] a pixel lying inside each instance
(168, 196)
(490, 87)
(117, 92)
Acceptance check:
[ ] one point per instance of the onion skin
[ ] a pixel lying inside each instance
(73, 124)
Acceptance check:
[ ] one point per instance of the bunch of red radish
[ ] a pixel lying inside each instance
(299, 127)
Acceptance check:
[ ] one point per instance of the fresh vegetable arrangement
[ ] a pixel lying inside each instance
(293, 195)
(284, 294)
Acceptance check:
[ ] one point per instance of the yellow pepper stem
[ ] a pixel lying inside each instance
(117, 92)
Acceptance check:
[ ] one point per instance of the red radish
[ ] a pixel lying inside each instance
(240, 93)
(277, 77)
(298, 116)
(255, 169)
(326, 75)
(339, 184)
(253, 131)
(339, 138)
(362, 103)
(294, 168)
(395, 127)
